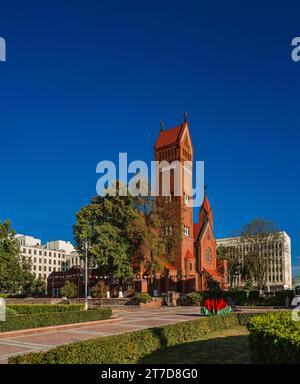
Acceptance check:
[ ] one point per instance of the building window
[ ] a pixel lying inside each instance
(24, 250)
(191, 266)
(40, 253)
(34, 252)
(29, 251)
(186, 231)
(49, 253)
(45, 253)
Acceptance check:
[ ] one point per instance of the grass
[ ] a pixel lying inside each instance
(228, 346)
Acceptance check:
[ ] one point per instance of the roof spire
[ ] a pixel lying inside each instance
(162, 125)
(185, 117)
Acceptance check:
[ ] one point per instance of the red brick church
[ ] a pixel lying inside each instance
(196, 260)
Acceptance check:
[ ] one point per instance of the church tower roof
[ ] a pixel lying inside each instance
(169, 137)
(206, 213)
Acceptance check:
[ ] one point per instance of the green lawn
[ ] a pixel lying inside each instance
(229, 346)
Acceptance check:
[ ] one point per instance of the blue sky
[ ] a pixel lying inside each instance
(85, 80)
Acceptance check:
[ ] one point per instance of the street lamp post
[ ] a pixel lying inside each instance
(86, 278)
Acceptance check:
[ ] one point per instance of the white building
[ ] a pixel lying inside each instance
(54, 256)
(279, 274)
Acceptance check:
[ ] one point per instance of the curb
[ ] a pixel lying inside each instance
(35, 331)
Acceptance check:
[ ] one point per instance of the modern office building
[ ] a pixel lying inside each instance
(279, 272)
(54, 256)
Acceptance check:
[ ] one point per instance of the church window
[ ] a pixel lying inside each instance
(208, 255)
(186, 231)
(191, 266)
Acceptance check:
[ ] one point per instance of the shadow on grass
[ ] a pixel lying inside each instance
(214, 350)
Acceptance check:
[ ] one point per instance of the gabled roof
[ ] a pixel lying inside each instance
(216, 275)
(168, 266)
(200, 228)
(169, 137)
(206, 204)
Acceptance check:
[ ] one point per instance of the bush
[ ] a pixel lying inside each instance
(69, 290)
(44, 308)
(142, 298)
(194, 298)
(274, 338)
(253, 296)
(280, 297)
(38, 320)
(240, 297)
(131, 347)
(100, 290)
(10, 312)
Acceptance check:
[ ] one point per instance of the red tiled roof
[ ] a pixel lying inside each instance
(168, 266)
(206, 204)
(215, 274)
(168, 137)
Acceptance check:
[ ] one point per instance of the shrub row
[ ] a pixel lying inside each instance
(274, 338)
(243, 297)
(131, 347)
(44, 308)
(37, 320)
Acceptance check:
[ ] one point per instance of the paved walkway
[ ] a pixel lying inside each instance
(130, 320)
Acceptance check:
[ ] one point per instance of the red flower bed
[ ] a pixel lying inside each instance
(215, 305)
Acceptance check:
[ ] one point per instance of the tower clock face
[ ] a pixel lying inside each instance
(208, 255)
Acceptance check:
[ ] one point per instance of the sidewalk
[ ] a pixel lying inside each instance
(130, 320)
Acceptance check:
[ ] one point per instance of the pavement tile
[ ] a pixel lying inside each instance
(6, 349)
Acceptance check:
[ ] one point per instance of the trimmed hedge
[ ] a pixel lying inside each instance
(274, 338)
(131, 347)
(38, 320)
(44, 308)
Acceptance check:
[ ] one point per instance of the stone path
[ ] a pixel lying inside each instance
(130, 320)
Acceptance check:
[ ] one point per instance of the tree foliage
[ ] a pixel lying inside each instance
(100, 289)
(233, 257)
(105, 223)
(128, 234)
(257, 241)
(156, 233)
(69, 290)
(15, 271)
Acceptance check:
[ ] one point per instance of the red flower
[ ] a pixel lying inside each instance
(215, 305)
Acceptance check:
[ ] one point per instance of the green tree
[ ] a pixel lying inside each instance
(100, 289)
(211, 284)
(39, 287)
(233, 257)
(15, 271)
(105, 223)
(69, 290)
(257, 241)
(156, 234)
